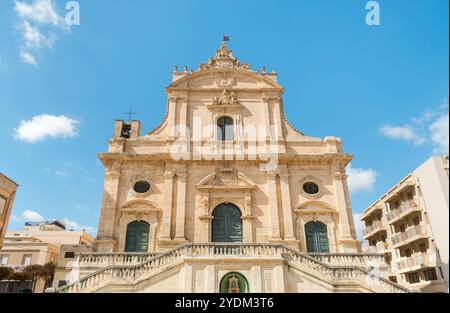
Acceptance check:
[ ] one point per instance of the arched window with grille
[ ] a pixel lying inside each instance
(225, 129)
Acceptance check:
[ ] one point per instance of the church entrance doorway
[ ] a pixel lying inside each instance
(227, 224)
(317, 237)
(137, 237)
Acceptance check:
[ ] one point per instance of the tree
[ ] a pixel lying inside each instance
(19, 278)
(48, 273)
(35, 272)
(5, 273)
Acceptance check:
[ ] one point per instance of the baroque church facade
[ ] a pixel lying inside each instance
(225, 196)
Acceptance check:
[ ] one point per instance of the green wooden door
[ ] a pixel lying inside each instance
(137, 237)
(317, 238)
(227, 224)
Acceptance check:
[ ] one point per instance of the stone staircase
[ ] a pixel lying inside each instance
(335, 272)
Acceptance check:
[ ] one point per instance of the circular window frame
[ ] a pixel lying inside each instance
(314, 181)
(138, 180)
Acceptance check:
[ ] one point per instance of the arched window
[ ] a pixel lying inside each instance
(317, 237)
(227, 224)
(137, 237)
(225, 129)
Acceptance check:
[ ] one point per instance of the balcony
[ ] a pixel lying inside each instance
(409, 235)
(374, 228)
(416, 262)
(381, 247)
(402, 211)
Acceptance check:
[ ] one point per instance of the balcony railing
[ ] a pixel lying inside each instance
(375, 226)
(420, 260)
(404, 207)
(380, 247)
(409, 234)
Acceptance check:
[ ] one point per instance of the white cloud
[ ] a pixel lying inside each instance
(439, 135)
(28, 58)
(72, 225)
(33, 38)
(32, 216)
(46, 126)
(35, 19)
(405, 132)
(430, 128)
(359, 225)
(361, 180)
(41, 11)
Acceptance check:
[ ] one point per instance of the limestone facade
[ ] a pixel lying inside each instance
(261, 169)
(225, 196)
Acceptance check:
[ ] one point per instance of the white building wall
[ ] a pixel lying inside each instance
(434, 186)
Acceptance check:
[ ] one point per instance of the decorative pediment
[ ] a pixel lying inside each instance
(226, 178)
(139, 205)
(315, 207)
(224, 58)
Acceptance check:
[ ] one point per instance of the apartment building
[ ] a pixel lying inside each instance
(410, 225)
(40, 243)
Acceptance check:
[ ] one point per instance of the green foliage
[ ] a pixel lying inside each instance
(5, 273)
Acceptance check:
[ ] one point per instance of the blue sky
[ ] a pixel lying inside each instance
(382, 89)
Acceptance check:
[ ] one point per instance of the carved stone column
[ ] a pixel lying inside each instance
(266, 110)
(287, 210)
(277, 118)
(172, 108)
(167, 210)
(303, 245)
(248, 219)
(347, 238)
(203, 232)
(183, 117)
(181, 206)
(105, 241)
(333, 241)
(273, 206)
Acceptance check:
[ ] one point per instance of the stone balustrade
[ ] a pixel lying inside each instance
(104, 259)
(130, 273)
(349, 259)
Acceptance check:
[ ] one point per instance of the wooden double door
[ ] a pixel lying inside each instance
(227, 224)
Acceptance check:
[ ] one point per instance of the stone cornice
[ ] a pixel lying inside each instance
(225, 187)
(216, 89)
(288, 157)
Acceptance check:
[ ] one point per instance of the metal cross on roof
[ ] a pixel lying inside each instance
(130, 114)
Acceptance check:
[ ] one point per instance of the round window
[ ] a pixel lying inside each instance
(311, 188)
(142, 186)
